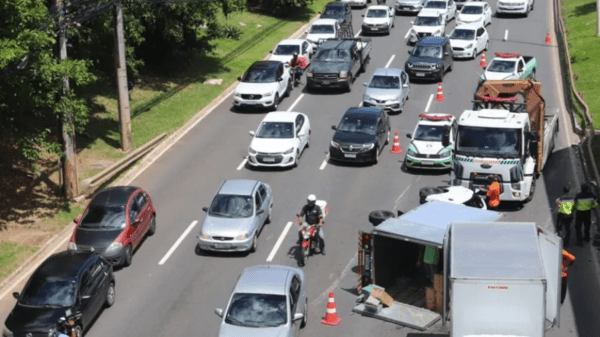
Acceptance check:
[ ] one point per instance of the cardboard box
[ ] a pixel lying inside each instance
(438, 282)
(429, 298)
(381, 295)
(372, 304)
(439, 301)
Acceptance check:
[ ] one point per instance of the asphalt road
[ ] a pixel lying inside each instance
(178, 297)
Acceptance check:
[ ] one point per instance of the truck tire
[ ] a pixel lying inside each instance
(531, 190)
(377, 217)
(427, 191)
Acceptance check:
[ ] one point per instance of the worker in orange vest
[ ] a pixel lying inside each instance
(493, 192)
(568, 260)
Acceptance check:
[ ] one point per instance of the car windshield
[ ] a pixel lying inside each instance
(333, 12)
(101, 216)
(498, 66)
(462, 34)
(276, 130)
(231, 206)
(259, 75)
(359, 124)
(489, 141)
(472, 10)
(376, 13)
(257, 310)
(286, 49)
(385, 82)
(427, 51)
(432, 133)
(321, 29)
(48, 291)
(428, 21)
(332, 55)
(436, 4)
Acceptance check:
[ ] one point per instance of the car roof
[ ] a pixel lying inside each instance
(335, 4)
(388, 72)
(475, 4)
(269, 279)
(473, 26)
(281, 116)
(238, 187)
(67, 265)
(432, 41)
(428, 13)
(378, 7)
(324, 21)
(363, 111)
(118, 195)
(264, 64)
(292, 41)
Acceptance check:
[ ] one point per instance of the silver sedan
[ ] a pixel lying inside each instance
(388, 89)
(236, 216)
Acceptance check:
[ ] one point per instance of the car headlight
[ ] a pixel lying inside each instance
(411, 152)
(516, 186)
(335, 144)
(434, 66)
(437, 32)
(251, 150)
(446, 154)
(242, 237)
(114, 247)
(367, 147)
(289, 151)
(409, 65)
(72, 246)
(6, 332)
(469, 46)
(367, 97)
(237, 94)
(309, 74)
(205, 235)
(269, 94)
(343, 74)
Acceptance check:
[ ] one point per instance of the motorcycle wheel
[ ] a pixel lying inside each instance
(305, 253)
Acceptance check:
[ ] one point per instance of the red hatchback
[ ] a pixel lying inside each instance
(114, 223)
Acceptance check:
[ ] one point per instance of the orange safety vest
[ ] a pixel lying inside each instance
(567, 258)
(493, 194)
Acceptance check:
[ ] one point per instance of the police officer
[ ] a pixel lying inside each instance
(585, 201)
(313, 216)
(564, 217)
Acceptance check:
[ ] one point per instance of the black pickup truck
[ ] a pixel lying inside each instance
(337, 62)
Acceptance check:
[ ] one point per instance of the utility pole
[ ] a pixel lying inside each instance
(69, 158)
(124, 112)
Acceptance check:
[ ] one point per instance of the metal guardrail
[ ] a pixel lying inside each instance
(91, 184)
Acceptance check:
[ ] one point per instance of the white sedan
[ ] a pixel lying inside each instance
(445, 7)
(286, 49)
(469, 40)
(280, 140)
(378, 19)
(475, 12)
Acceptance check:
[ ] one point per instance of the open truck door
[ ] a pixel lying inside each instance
(551, 252)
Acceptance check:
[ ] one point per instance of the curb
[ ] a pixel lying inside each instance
(137, 169)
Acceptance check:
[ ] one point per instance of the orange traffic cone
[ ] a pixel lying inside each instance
(396, 149)
(548, 39)
(331, 317)
(483, 63)
(440, 95)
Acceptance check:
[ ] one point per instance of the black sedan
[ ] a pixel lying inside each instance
(360, 136)
(338, 11)
(81, 283)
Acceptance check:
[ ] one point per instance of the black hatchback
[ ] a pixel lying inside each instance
(66, 283)
(361, 135)
(338, 11)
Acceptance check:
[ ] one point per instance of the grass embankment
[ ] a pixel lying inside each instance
(12, 254)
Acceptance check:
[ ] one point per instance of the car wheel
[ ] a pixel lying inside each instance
(376, 160)
(128, 256)
(254, 244)
(297, 160)
(78, 331)
(110, 295)
(270, 214)
(377, 217)
(472, 55)
(532, 3)
(349, 88)
(305, 318)
(387, 140)
(308, 140)
(275, 105)
(487, 44)
(152, 228)
(288, 90)
(427, 191)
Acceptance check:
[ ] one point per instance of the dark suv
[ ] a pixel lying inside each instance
(430, 58)
(339, 11)
(68, 282)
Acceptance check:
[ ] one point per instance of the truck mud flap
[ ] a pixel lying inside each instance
(402, 314)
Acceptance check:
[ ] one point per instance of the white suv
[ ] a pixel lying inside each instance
(263, 85)
(514, 7)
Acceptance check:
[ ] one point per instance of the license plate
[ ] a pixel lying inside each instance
(420, 74)
(350, 155)
(222, 245)
(326, 82)
(250, 103)
(427, 162)
(374, 28)
(269, 159)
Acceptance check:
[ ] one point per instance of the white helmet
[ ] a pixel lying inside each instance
(312, 199)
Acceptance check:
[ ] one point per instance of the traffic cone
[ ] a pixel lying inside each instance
(483, 63)
(331, 317)
(548, 39)
(396, 149)
(440, 95)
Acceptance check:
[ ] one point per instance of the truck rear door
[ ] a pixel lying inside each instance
(551, 251)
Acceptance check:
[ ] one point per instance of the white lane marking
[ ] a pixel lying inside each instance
(279, 241)
(243, 163)
(337, 281)
(295, 102)
(505, 35)
(324, 163)
(33, 267)
(357, 34)
(429, 103)
(177, 243)
(390, 61)
(407, 33)
(402, 194)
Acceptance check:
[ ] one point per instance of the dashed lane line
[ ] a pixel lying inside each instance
(242, 164)
(279, 241)
(324, 162)
(390, 61)
(177, 243)
(295, 103)
(429, 103)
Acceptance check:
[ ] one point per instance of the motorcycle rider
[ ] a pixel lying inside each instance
(298, 64)
(314, 216)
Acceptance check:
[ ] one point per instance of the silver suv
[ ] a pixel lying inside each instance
(409, 6)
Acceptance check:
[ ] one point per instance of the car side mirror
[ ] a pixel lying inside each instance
(135, 223)
(363, 15)
(252, 133)
(16, 295)
(409, 51)
(205, 209)
(298, 316)
(405, 85)
(260, 211)
(408, 135)
(270, 52)
(365, 84)
(86, 297)
(219, 312)
(333, 127)
(239, 78)
(412, 22)
(280, 79)
(77, 220)
(446, 53)
(306, 32)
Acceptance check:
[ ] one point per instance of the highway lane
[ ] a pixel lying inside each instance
(179, 296)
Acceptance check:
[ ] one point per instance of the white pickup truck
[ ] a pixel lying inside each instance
(510, 66)
(514, 7)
